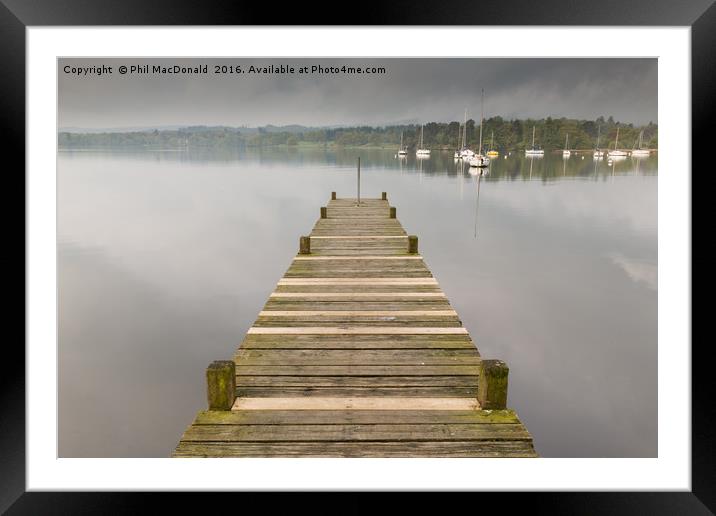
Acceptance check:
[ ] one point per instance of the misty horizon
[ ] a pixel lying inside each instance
(293, 127)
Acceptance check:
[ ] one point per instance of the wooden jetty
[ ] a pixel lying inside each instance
(357, 353)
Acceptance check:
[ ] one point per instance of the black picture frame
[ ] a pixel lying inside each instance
(17, 15)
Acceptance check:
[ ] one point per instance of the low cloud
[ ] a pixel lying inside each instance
(639, 271)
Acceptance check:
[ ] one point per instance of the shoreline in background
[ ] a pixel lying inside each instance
(498, 134)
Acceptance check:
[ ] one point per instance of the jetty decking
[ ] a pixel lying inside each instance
(357, 353)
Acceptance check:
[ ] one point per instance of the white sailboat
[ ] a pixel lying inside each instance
(422, 152)
(465, 153)
(598, 153)
(618, 154)
(402, 151)
(478, 160)
(565, 152)
(533, 151)
(639, 152)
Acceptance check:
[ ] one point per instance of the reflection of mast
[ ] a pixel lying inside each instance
(477, 200)
(564, 167)
(595, 168)
(531, 160)
(462, 176)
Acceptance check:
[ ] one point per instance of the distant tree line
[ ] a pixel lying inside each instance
(550, 134)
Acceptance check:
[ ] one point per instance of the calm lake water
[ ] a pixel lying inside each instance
(166, 258)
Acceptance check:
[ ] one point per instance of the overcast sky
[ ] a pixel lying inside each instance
(411, 90)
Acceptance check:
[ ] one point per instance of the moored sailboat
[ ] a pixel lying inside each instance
(639, 152)
(598, 153)
(533, 151)
(402, 151)
(616, 153)
(422, 152)
(566, 153)
(479, 160)
(492, 153)
(465, 153)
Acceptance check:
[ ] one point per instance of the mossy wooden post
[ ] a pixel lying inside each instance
(412, 244)
(305, 245)
(492, 385)
(221, 384)
(333, 196)
(384, 196)
(392, 212)
(324, 212)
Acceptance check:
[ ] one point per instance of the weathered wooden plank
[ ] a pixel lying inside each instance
(358, 330)
(357, 342)
(356, 370)
(358, 281)
(366, 417)
(357, 403)
(358, 251)
(357, 381)
(352, 344)
(412, 323)
(338, 305)
(358, 313)
(359, 295)
(349, 357)
(405, 392)
(356, 432)
(360, 237)
(359, 449)
(357, 288)
(353, 273)
(362, 259)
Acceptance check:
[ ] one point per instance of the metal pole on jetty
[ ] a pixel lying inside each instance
(358, 180)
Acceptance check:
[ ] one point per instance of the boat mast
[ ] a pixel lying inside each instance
(482, 115)
(599, 130)
(533, 137)
(421, 136)
(616, 140)
(566, 142)
(464, 131)
(492, 137)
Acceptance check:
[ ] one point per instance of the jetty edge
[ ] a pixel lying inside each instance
(357, 353)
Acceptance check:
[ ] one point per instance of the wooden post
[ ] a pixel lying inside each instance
(333, 196)
(221, 384)
(304, 245)
(384, 196)
(492, 385)
(324, 212)
(392, 212)
(413, 244)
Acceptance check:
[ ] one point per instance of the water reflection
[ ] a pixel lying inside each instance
(166, 257)
(513, 166)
